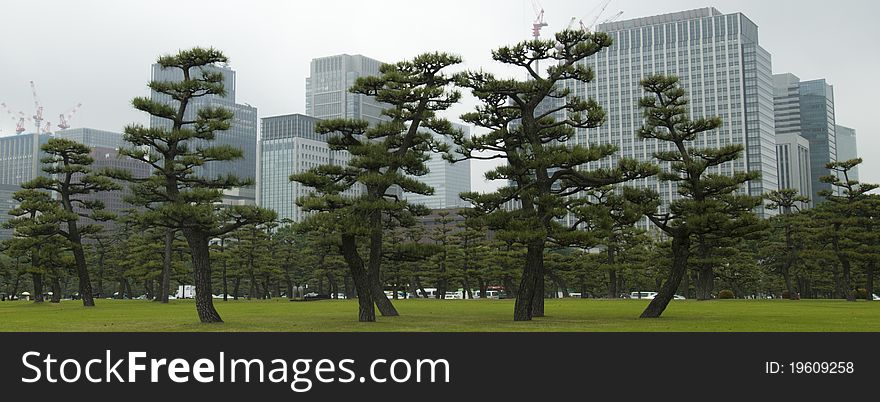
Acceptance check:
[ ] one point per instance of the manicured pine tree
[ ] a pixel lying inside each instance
(385, 159)
(708, 203)
(35, 222)
(843, 214)
(789, 223)
(175, 197)
(71, 178)
(529, 123)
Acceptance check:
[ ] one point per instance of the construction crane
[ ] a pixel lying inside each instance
(593, 23)
(38, 107)
(19, 119)
(539, 20)
(612, 18)
(65, 118)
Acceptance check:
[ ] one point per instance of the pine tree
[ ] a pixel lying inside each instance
(842, 214)
(789, 224)
(71, 178)
(175, 197)
(385, 158)
(529, 123)
(708, 202)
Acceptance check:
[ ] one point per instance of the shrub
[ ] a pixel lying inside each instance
(861, 293)
(726, 294)
(786, 295)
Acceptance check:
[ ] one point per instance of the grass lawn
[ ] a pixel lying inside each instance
(445, 316)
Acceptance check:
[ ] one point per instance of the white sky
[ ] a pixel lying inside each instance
(99, 52)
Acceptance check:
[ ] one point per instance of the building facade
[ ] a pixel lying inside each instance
(93, 138)
(7, 203)
(448, 179)
(327, 95)
(17, 162)
(847, 148)
(242, 133)
(793, 154)
(288, 145)
(724, 71)
(806, 108)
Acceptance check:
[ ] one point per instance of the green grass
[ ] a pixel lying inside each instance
(446, 316)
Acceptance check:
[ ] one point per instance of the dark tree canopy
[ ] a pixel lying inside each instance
(174, 196)
(529, 123)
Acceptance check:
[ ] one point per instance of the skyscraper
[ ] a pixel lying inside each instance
(722, 68)
(846, 147)
(93, 138)
(793, 155)
(327, 95)
(17, 161)
(289, 145)
(242, 134)
(806, 108)
(448, 179)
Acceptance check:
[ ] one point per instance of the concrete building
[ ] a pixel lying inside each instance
(793, 154)
(448, 179)
(288, 145)
(724, 71)
(847, 148)
(806, 108)
(327, 95)
(242, 134)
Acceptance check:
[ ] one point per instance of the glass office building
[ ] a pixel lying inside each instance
(724, 71)
(288, 145)
(846, 147)
(327, 95)
(448, 179)
(793, 155)
(806, 108)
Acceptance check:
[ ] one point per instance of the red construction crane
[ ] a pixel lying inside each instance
(539, 20)
(65, 119)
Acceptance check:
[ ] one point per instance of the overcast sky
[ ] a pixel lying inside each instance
(99, 52)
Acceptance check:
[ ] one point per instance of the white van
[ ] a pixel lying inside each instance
(643, 295)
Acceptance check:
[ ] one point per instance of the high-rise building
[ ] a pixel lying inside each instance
(243, 131)
(448, 179)
(17, 162)
(793, 155)
(806, 108)
(7, 203)
(288, 145)
(93, 138)
(327, 95)
(722, 68)
(846, 147)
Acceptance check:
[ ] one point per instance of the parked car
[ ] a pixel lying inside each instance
(315, 296)
(678, 297)
(874, 296)
(642, 295)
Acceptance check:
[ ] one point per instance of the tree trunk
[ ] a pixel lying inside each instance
(681, 245)
(201, 261)
(38, 288)
(374, 273)
(869, 281)
(166, 266)
(560, 283)
(85, 285)
(366, 312)
(705, 283)
(236, 285)
(56, 289)
(483, 287)
(101, 271)
(225, 279)
(524, 308)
